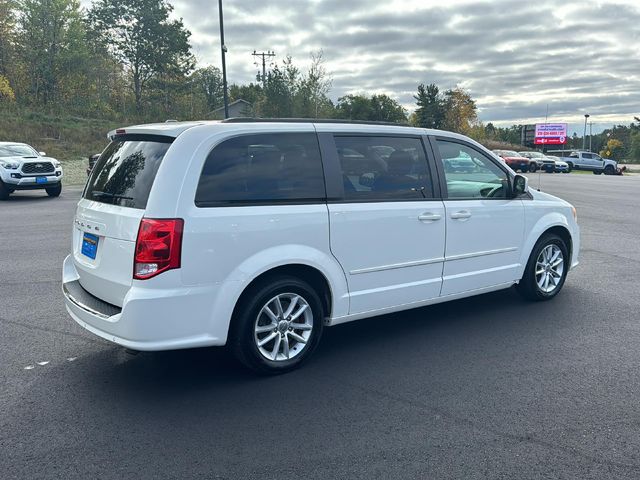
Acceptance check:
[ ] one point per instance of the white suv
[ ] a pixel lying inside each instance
(260, 234)
(24, 168)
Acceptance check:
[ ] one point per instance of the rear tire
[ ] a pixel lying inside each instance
(4, 191)
(546, 269)
(270, 342)
(55, 191)
(533, 167)
(570, 167)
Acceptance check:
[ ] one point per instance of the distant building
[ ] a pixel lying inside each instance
(239, 108)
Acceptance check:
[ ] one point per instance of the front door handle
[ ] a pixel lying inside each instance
(429, 217)
(461, 215)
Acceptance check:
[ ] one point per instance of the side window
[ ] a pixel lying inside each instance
(469, 173)
(383, 168)
(588, 156)
(265, 168)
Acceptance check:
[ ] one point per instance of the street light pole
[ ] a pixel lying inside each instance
(584, 135)
(223, 49)
(590, 134)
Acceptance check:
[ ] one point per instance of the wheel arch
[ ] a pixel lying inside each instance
(310, 265)
(305, 272)
(554, 223)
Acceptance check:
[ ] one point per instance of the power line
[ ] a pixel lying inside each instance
(263, 56)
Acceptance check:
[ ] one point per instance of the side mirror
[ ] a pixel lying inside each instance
(42, 154)
(520, 185)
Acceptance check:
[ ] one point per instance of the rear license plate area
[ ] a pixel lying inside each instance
(89, 245)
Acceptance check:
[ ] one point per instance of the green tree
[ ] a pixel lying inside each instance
(279, 91)
(208, 82)
(251, 93)
(49, 35)
(7, 35)
(430, 111)
(634, 151)
(140, 34)
(311, 95)
(375, 108)
(386, 109)
(354, 107)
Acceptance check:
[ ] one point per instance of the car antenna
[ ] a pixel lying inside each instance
(540, 173)
(546, 119)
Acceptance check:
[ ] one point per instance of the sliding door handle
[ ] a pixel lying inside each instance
(429, 217)
(461, 215)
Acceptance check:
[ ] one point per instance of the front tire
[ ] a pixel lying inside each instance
(546, 269)
(54, 191)
(4, 191)
(277, 325)
(609, 170)
(533, 167)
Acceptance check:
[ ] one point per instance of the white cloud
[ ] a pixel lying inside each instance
(515, 57)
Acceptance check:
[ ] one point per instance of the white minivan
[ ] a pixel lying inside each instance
(258, 234)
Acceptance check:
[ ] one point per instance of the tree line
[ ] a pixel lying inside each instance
(129, 60)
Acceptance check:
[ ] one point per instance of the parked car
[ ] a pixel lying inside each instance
(580, 160)
(543, 162)
(259, 235)
(517, 161)
(92, 161)
(22, 167)
(560, 166)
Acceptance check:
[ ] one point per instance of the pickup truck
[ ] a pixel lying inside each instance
(589, 161)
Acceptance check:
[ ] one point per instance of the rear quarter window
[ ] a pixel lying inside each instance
(126, 170)
(262, 169)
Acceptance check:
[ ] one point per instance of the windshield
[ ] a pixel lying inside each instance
(510, 153)
(124, 173)
(17, 151)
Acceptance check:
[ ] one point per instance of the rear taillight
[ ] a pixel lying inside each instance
(158, 247)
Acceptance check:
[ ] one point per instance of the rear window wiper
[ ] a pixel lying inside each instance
(98, 193)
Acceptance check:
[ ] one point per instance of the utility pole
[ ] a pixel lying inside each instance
(223, 49)
(584, 135)
(264, 56)
(590, 134)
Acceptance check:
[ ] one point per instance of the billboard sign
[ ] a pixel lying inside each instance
(551, 134)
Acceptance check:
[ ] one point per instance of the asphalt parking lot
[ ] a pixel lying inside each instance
(487, 387)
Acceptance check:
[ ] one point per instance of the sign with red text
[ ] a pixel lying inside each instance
(550, 134)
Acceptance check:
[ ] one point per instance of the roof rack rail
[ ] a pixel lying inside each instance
(310, 120)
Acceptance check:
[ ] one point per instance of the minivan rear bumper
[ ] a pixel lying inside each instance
(149, 320)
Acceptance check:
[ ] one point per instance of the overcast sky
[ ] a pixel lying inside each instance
(514, 56)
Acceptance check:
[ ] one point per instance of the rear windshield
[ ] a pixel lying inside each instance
(124, 173)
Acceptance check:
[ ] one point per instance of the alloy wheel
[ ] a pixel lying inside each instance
(283, 327)
(549, 268)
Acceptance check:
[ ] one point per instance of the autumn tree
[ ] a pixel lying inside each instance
(460, 110)
(141, 35)
(613, 149)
